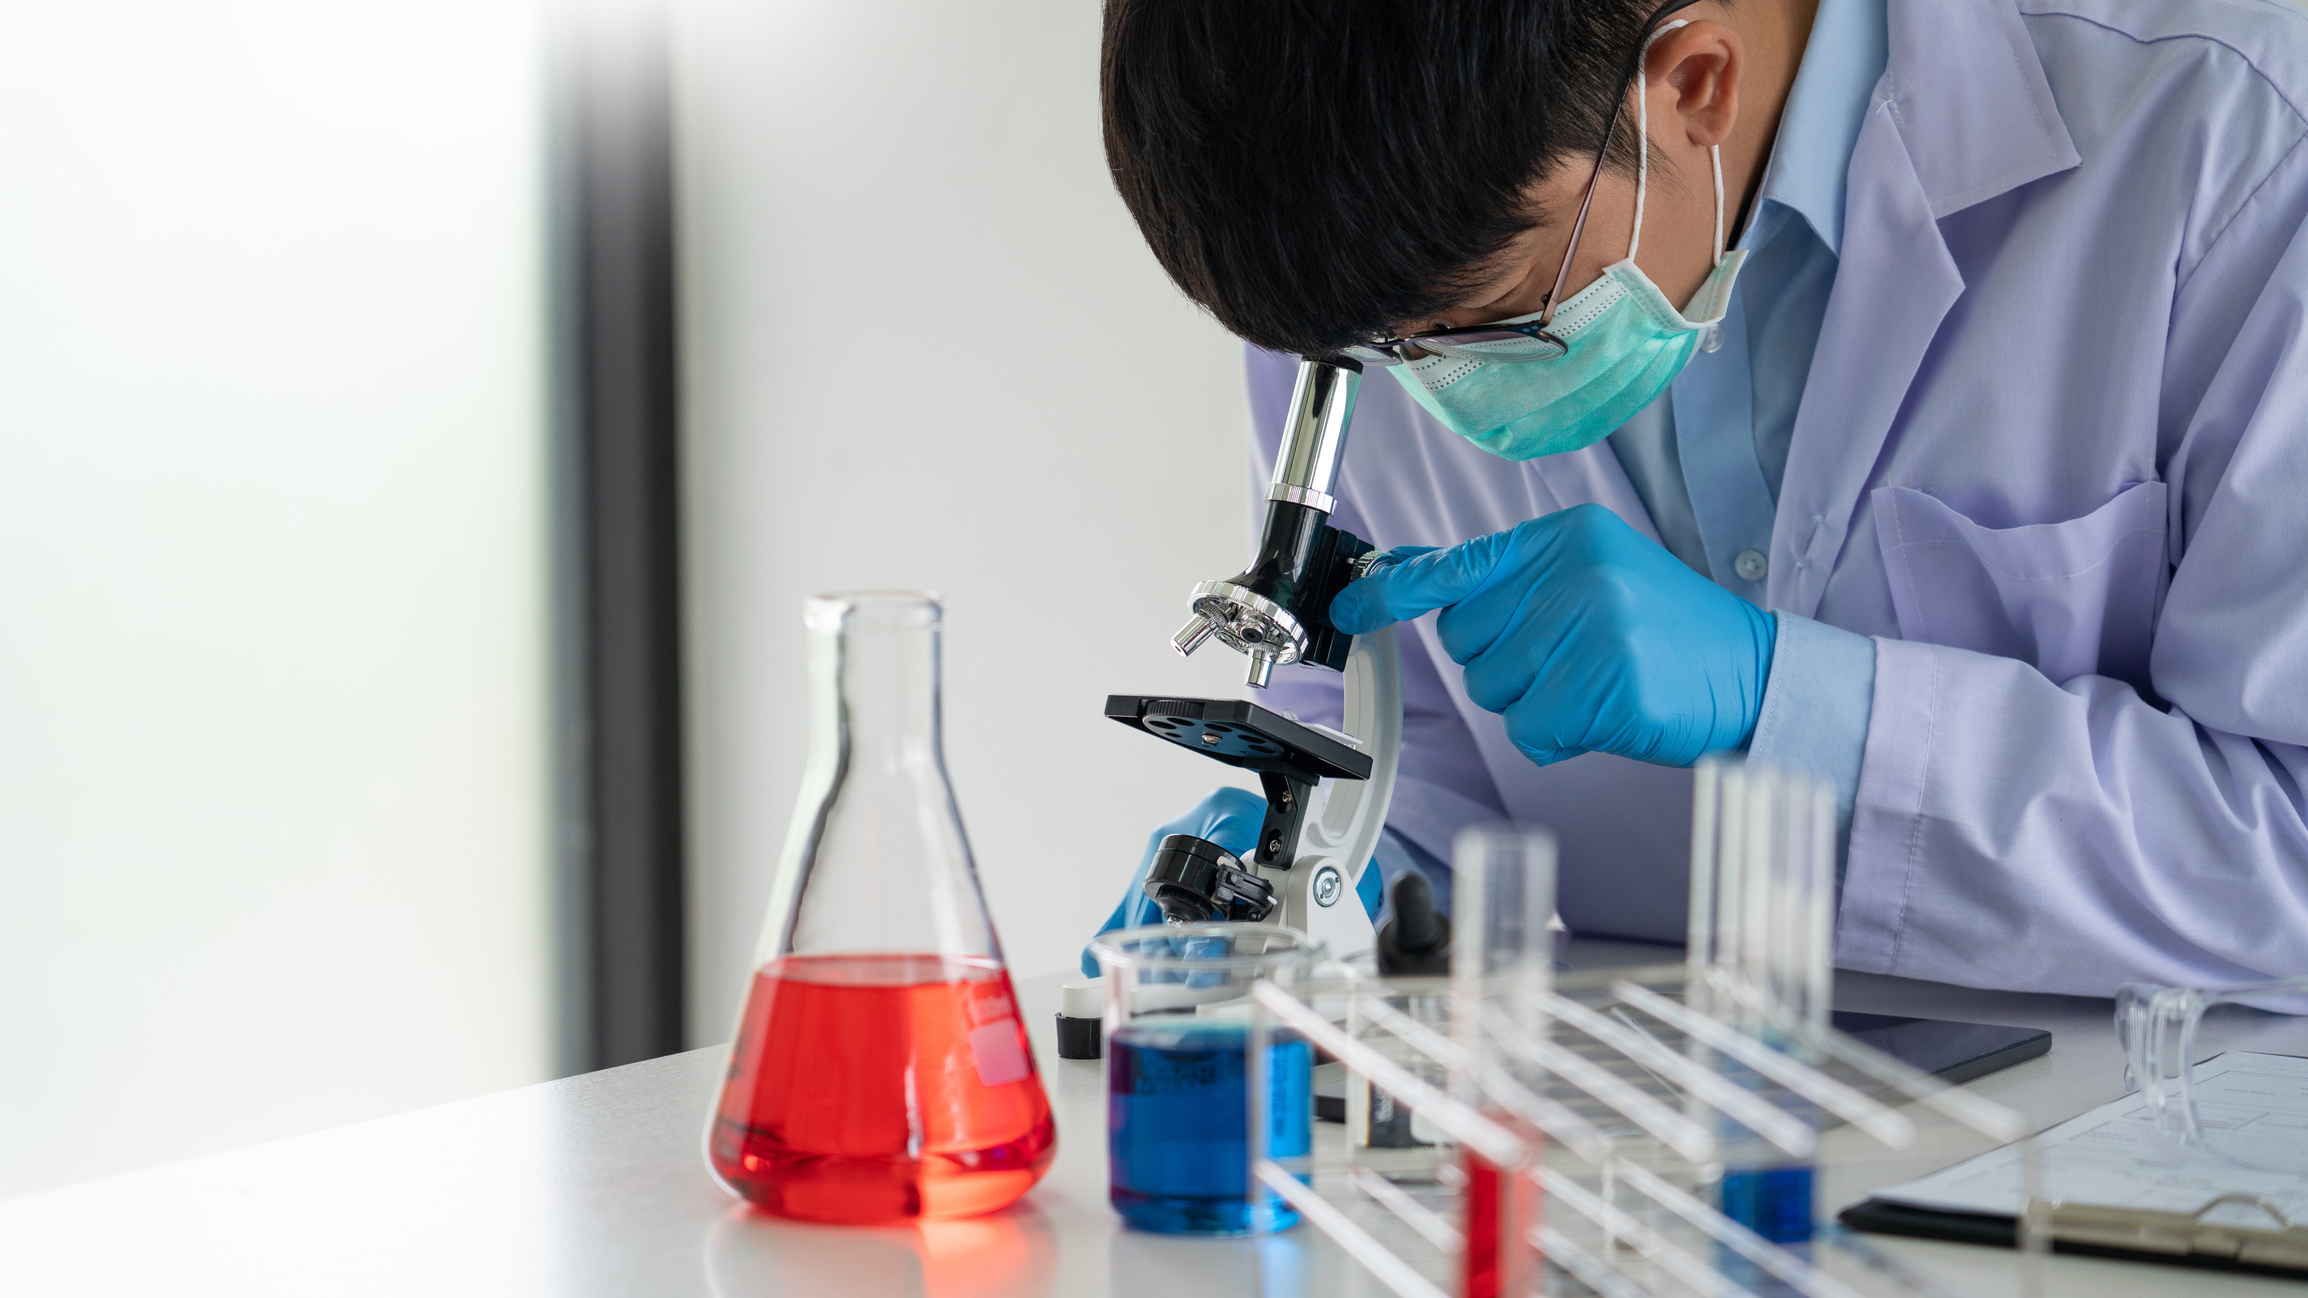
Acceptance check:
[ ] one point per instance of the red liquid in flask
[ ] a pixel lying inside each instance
(879, 1088)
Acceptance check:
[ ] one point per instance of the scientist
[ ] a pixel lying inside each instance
(1922, 402)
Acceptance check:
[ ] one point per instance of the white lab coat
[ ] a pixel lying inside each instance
(2053, 455)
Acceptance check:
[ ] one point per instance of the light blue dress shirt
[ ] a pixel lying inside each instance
(1708, 456)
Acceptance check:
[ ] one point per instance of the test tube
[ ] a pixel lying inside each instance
(1812, 905)
(1724, 973)
(1503, 894)
(1761, 931)
(1706, 826)
(1763, 860)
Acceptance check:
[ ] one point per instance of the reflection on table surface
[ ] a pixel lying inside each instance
(1008, 1254)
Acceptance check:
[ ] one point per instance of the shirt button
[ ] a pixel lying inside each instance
(1750, 565)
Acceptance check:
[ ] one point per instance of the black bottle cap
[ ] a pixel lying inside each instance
(1080, 1038)
(1417, 939)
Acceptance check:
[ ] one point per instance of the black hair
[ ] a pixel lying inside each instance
(1312, 171)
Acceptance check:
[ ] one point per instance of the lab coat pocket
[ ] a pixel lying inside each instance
(2074, 598)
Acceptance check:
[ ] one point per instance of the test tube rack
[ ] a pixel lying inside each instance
(1665, 1130)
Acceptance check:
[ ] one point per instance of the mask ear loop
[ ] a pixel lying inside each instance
(1643, 149)
(1715, 157)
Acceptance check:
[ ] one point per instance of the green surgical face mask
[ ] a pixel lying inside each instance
(1626, 344)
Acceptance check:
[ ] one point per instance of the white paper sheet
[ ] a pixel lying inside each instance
(2254, 1106)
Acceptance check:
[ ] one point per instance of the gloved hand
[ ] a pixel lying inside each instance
(1585, 635)
(1228, 817)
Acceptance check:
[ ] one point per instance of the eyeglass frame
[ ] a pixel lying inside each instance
(1389, 350)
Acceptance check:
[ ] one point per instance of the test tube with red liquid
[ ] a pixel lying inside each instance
(1502, 963)
(1501, 1211)
(880, 1070)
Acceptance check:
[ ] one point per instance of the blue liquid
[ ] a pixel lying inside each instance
(1176, 1123)
(1773, 1202)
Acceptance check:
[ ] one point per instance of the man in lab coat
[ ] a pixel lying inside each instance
(1967, 471)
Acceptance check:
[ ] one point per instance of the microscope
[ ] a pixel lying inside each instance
(1326, 790)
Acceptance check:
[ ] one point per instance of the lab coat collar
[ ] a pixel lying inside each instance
(1843, 61)
(1962, 114)
(1973, 106)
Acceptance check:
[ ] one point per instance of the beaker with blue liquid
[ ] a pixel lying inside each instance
(1190, 1105)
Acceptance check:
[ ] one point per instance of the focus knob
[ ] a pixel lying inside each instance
(1196, 881)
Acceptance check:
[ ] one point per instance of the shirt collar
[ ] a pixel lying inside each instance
(1842, 61)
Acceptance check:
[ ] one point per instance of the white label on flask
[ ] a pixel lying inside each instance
(999, 1053)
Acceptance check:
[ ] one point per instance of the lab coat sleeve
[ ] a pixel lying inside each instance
(2011, 830)
(1442, 784)
(1816, 707)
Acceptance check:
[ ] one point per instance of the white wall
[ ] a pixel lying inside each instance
(926, 347)
(272, 746)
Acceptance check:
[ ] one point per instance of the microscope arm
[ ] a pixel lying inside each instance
(1347, 829)
(1343, 834)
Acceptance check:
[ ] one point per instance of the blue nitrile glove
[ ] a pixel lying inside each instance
(1228, 817)
(1585, 635)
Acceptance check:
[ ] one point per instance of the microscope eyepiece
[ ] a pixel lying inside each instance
(1275, 611)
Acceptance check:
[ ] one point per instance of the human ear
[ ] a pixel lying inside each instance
(1699, 66)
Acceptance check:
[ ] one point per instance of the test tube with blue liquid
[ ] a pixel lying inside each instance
(1760, 953)
(1190, 1105)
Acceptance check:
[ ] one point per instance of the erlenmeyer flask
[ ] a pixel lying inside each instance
(880, 1070)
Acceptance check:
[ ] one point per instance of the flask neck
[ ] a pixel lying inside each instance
(877, 861)
(876, 690)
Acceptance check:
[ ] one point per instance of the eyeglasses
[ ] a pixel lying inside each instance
(1505, 341)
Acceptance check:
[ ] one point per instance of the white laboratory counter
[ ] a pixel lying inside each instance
(595, 1186)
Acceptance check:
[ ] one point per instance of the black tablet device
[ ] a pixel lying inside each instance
(1953, 1052)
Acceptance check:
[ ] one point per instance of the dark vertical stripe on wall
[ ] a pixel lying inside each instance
(621, 899)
